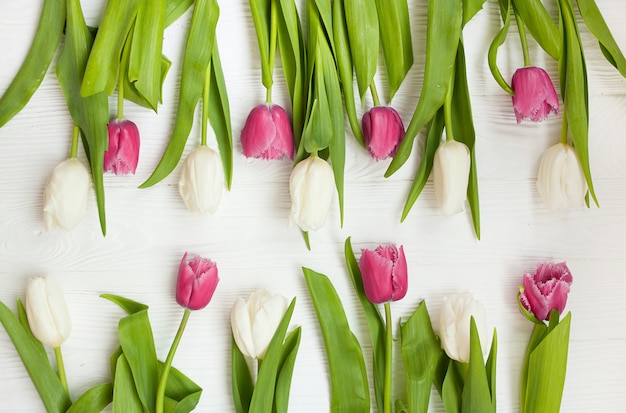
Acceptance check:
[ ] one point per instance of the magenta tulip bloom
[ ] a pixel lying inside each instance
(383, 130)
(123, 154)
(384, 273)
(197, 280)
(267, 133)
(546, 289)
(534, 96)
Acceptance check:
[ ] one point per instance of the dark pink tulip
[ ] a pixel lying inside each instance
(534, 96)
(123, 154)
(546, 289)
(197, 280)
(384, 273)
(383, 130)
(267, 133)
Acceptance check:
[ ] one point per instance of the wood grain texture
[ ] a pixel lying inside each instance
(250, 238)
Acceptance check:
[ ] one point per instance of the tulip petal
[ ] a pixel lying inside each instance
(241, 325)
(202, 181)
(311, 186)
(66, 195)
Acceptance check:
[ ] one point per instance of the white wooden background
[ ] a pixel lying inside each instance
(249, 237)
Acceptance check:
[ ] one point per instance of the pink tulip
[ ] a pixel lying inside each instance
(123, 154)
(267, 133)
(383, 130)
(546, 289)
(384, 273)
(534, 96)
(197, 280)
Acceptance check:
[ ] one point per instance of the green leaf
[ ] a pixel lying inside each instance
(174, 9)
(128, 305)
(93, 400)
(21, 314)
(476, 395)
(348, 377)
(362, 24)
(490, 368)
(442, 38)
(546, 370)
(181, 393)
(538, 333)
(540, 25)
(35, 65)
(125, 397)
(53, 395)
(470, 8)
(241, 380)
(288, 355)
(452, 386)
(198, 51)
(261, 11)
(498, 40)
(421, 353)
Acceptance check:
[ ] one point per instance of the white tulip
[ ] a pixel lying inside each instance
(311, 186)
(66, 194)
(454, 325)
(47, 313)
(451, 175)
(202, 181)
(254, 322)
(560, 181)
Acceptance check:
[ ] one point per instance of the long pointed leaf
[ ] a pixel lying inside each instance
(540, 25)
(476, 392)
(261, 10)
(93, 400)
(363, 34)
(288, 355)
(241, 381)
(125, 397)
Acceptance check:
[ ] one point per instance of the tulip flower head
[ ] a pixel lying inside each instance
(384, 273)
(47, 313)
(534, 96)
(267, 133)
(454, 325)
(560, 181)
(122, 156)
(451, 169)
(311, 186)
(255, 321)
(202, 181)
(66, 194)
(196, 283)
(383, 130)
(546, 289)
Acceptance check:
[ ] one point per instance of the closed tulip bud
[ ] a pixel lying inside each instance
(454, 325)
(196, 283)
(47, 312)
(451, 169)
(123, 153)
(311, 186)
(534, 96)
(255, 321)
(267, 133)
(202, 181)
(66, 194)
(546, 290)
(383, 130)
(560, 181)
(384, 273)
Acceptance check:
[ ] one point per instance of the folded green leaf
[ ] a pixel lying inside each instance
(21, 314)
(498, 40)
(181, 393)
(288, 355)
(174, 9)
(125, 397)
(538, 333)
(94, 400)
(261, 12)
(363, 34)
(128, 305)
(490, 368)
(241, 381)
(470, 8)
(452, 386)
(476, 395)
(540, 25)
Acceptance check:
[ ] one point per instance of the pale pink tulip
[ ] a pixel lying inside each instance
(383, 130)
(384, 273)
(267, 133)
(122, 156)
(534, 96)
(546, 289)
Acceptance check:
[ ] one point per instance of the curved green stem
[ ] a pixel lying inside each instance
(374, 93)
(388, 358)
(75, 135)
(160, 398)
(61, 367)
(447, 110)
(273, 38)
(564, 127)
(205, 103)
(120, 96)
(522, 35)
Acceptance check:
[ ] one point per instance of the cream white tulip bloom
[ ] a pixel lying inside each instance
(202, 181)
(66, 194)
(255, 321)
(311, 186)
(451, 169)
(47, 313)
(454, 325)
(560, 181)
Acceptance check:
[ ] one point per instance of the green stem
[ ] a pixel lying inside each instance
(447, 110)
(564, 127)
(160, 398)
(522, 35)
(61, 367)
(75, 135)
(388, 358)
(273, 37)
(120, 96)
(205, 103)
(374, 93)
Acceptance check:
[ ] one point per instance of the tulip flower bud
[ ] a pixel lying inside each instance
(546, 289)
(196, 283)
(47, 312)
(123, 153)
(384, 273)
(560, 181)
(66, 194)
(454, 325)
(255, 321)
(383, 130)
(451, 169)
(267, 133)
(534, 96)
(202, 181)
(311, 188)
